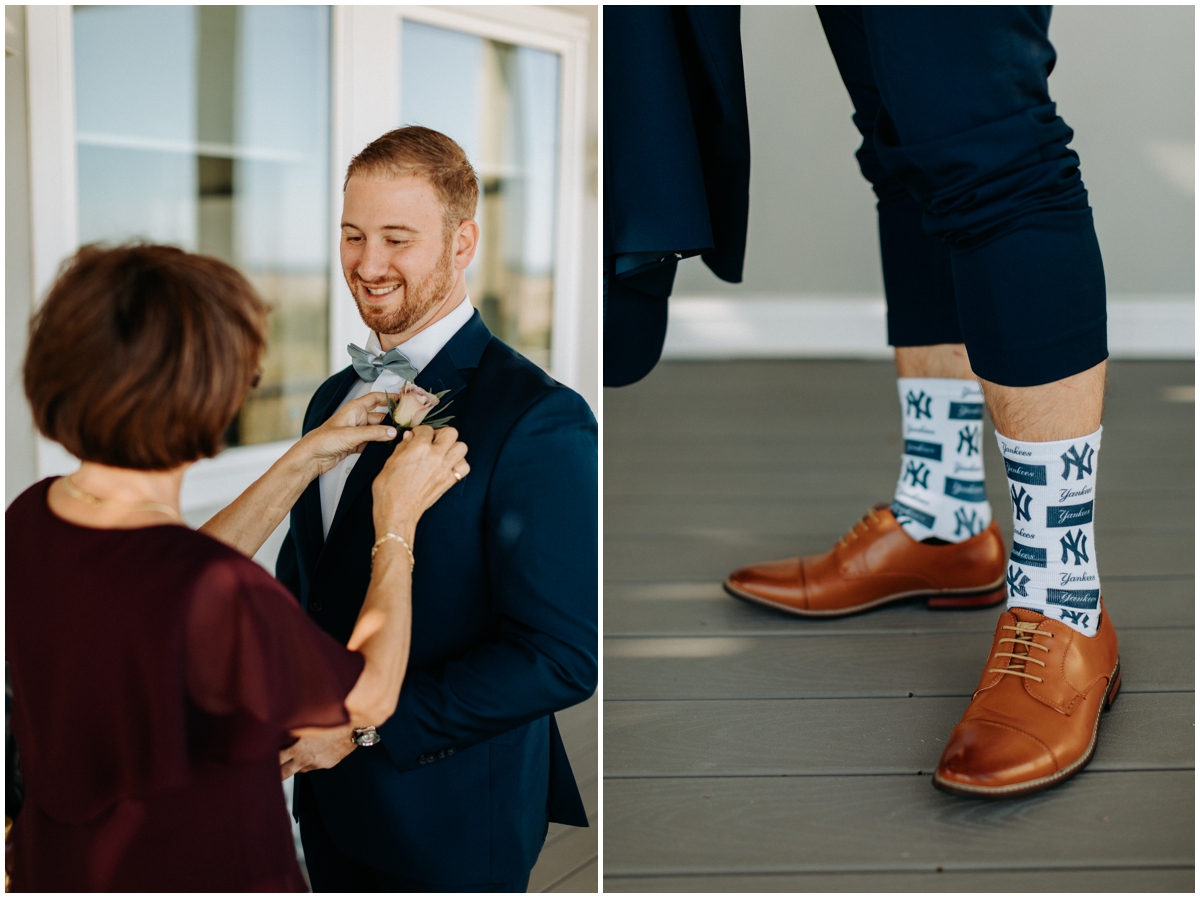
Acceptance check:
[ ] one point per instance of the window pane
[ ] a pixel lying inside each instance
(207, 127)
(500, 102)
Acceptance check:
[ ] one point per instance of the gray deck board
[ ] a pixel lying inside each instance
(703, 608)
(807, 737)
(825, 824)
(568, 850)
(585, 879)
(574, 851)
(1005, 880)
(853, 666)
(680, 558)
(749, 750)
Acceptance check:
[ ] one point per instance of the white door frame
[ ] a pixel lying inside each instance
(365, 97)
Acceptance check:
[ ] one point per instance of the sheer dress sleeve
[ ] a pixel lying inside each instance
(136, 654)
(256, 666)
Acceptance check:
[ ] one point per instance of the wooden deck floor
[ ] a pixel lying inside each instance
(746, 750)
(568, 862)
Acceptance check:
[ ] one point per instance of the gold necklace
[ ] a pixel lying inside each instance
(76, 493)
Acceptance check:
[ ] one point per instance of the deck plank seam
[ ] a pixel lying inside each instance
(1125, 690)
(840, 774)
(773, 634)
(549, 887)
(944, 867)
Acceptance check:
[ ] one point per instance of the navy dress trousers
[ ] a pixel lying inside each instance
(985, 230)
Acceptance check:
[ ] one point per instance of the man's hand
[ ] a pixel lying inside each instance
(316, 750)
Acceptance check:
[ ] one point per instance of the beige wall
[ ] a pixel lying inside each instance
(1124, 81)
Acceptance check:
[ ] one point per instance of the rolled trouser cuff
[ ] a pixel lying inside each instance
(917, 277)
(1032, 302)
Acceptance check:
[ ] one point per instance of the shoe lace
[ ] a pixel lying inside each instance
(852, 533)
(1025, 633)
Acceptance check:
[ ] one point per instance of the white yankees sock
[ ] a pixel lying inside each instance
(1052, 568)
(940, 493)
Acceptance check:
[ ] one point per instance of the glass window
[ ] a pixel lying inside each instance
(500, 103)
(207, 127)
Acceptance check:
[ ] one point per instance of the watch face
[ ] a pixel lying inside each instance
(368, 737)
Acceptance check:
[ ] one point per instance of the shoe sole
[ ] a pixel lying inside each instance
(970, 597)
(1045, 782)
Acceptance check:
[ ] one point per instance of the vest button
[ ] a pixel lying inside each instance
(315, 605)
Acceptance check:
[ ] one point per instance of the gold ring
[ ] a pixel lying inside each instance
(457, 476)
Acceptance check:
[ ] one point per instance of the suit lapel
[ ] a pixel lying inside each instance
(444, 372)
(307, 527)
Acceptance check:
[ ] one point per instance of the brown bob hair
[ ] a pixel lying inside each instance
(430, 154)
(140, 355)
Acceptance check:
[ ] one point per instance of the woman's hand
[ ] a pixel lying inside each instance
(424, 465)
(347, 431)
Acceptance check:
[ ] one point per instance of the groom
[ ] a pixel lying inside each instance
(471, 769)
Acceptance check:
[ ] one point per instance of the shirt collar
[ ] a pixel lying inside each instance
(421, 348)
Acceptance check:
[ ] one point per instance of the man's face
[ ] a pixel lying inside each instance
(396, 257)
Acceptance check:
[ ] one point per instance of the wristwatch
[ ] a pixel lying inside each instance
(366, 736)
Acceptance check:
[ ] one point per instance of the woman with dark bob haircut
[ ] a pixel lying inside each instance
(157, 671)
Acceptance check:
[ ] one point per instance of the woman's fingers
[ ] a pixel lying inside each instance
(358, 409)
(369, 433)
(364, 408)
(424, 433)
(456, 452)
(445, 435)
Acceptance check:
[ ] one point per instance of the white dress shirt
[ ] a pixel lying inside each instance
(420, 351)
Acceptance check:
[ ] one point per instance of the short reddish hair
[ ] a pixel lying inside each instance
(431, 155)
(141, 355)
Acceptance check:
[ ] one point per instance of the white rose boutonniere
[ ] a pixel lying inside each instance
(413, 407)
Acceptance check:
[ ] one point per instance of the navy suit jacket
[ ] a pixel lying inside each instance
(676, 167)
(471, 769)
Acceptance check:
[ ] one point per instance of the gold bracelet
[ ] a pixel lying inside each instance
(400, 539)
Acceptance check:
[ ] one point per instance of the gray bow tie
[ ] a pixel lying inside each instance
(368, 367)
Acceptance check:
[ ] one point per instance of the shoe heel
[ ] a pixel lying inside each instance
(980, 601)
(1112, 693)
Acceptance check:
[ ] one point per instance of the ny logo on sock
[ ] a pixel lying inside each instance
(1019, 499)
(918, 405)
(1075, 617)
(964, 522)
(919, 474)
(1077, 544)
(1017, 582)
(967, 437)
(1081, 460)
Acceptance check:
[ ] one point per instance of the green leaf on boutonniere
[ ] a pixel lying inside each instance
(441, 422)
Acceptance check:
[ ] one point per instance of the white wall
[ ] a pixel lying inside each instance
(20, 453)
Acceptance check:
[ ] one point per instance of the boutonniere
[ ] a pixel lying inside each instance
(413, 407)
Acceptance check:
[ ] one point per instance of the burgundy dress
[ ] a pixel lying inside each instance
(155, 674)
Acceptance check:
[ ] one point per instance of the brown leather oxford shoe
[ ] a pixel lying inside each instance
(1032, 722)
(876, 563)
